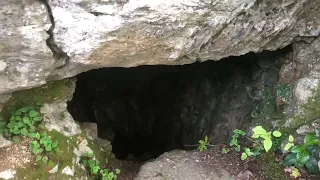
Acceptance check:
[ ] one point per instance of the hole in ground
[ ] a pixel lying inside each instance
(147, 110)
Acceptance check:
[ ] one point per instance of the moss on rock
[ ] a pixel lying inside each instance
(47, 93)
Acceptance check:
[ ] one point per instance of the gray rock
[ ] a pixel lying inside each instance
(91, 129)
(56, 117)
(4, 142)
(59, 39)
(181, 165)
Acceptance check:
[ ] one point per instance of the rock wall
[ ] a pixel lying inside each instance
(43, 40)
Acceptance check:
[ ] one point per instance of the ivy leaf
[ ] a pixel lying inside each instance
(312, 166)
(244, 156)
(290, 159)
(303, 156)
(267, 144)
(276, 133)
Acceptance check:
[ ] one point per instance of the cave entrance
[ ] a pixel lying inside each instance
(147, 110)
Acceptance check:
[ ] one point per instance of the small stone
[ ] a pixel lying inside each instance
(7, 174)
(91, 129)
(68, 171)
(4, 142)
(54, 170)
(3, 66)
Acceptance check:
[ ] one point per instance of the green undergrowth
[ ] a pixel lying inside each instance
(47, 93)
(271, 168)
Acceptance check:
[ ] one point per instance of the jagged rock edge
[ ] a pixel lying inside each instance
(58, 53)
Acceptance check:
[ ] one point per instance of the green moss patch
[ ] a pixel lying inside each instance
(47, 93)
(272, 169)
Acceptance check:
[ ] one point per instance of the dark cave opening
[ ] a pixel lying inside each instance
(147, 110)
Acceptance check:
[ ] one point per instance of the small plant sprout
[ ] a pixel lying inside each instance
(260, 132)
(295, 173)
(203, 144)
(235, 141)
(289, 144)
(225, 150)
(247, 153)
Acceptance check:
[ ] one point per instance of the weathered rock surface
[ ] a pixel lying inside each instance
(181, 165)
(90, 34)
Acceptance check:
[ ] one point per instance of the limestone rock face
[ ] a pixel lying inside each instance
(56, 39)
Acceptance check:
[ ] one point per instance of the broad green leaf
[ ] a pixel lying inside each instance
(37, 136)
(32, 129)
(24, 110)
(32, 135)
(17, 113)
(298, 148)
(237, 148)
(37, 118)
(267, 144)
(17, 118)
(303, 156)
(24, 132)
(95, 169)
(33, 113)
(276, 133)
(291, 138)
(16, 139)
(290, 159)
(309, 137)
(244, 156)
(118, 171)
(111, 175)
(259, 130)
(19, 124)
(288, 146)
(48, 147)
(312, 166)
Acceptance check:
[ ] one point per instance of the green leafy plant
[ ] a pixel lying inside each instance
(260, 132)
(42, 145)
(225, 150)
(22, 122)
(247, 153)
(93, 166)
(203, 144)
(305, 155)
(290, 143)
(235, 139)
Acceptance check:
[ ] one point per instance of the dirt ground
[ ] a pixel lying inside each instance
(265, 168)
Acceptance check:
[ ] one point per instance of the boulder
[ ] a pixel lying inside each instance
(49, 40)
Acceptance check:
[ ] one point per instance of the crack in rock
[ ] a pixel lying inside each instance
(59, 55)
